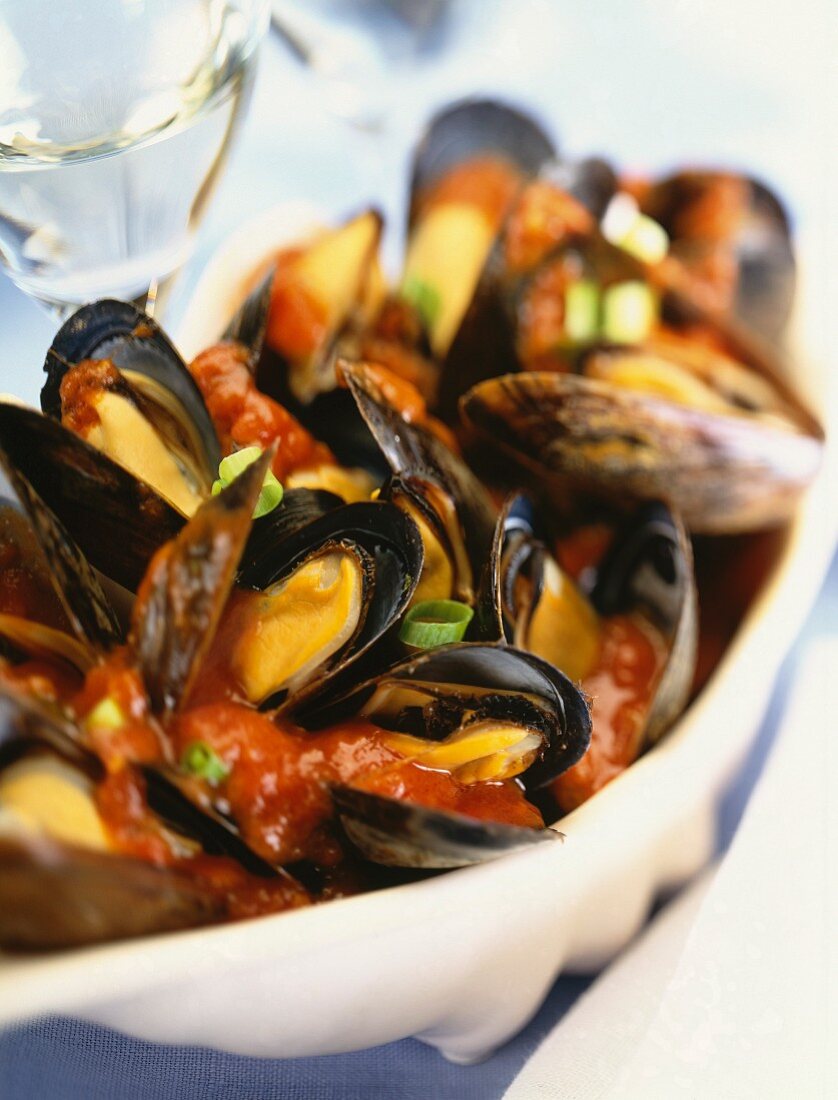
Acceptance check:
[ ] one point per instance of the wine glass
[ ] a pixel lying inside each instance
(115, 121)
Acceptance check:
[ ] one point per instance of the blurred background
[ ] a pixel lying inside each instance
(340, 100)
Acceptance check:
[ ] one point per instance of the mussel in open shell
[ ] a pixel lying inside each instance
(623, 624)
(117, 519)
(66, 878)
(467, 169)
(434, 486)
(33, 537)
(330, 590)
(320, 291)
(481, 712)
(115, 379)
(665, 402)
(730, 236)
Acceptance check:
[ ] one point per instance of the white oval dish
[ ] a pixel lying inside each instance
(463, 960)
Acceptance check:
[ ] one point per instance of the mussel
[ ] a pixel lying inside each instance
(115, 379)
(117, 519)
(76, 620)
(68, 874)
(625, 626)
(730, 235)
(320, 290)
(666, 402)
(481, 712)
(473, 159)
(434, 486)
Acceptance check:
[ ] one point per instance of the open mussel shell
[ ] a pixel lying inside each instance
(562, 202)
(116, 520)
(405, 834)
(428, 695)
(60, 883)
(705, 212)
(415, 454)
(45, 545)
(731, 450)
(383, 540)
(432, 696)
(153, 377)
(336, 272)
(649, 569)
(475, 127)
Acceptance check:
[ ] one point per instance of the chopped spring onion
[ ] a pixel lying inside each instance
(637, 233)
(629, 310)
(106, 715)
(237, 463)
(646, 239)
(435, 622)
(424, 297)
(581, 311)
(200, 760)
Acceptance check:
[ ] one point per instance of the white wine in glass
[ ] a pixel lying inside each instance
(115, 120)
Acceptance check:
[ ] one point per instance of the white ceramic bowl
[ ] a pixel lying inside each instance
(463, 960)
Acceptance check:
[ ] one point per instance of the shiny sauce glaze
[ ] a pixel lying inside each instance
(620, 689)
(243, 416)
(279, 777)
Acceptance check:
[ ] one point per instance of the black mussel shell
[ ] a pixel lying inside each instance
(109, 329)
(474, 127)
(386, 537)
(117, 521)
(248, 324)
(492, 679)
(91, 617)
(414, 452)
(404, 834)
(56, 896)
(182, 597)
(592, 181)
(649, 568)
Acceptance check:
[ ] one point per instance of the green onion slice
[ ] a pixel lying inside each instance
(237, 463)
(435, 622)
(424, 297)
(630, 310)
(200, 760)
(581, 308)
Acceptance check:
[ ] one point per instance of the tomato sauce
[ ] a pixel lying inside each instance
(134, 831)
(80, 387)
(243, 416)
(297, 321)
(543, 217)
(620, 688)
(137, 740)
(278, 783)
(489, 183)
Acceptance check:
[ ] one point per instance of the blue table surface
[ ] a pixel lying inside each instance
(652, 83)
